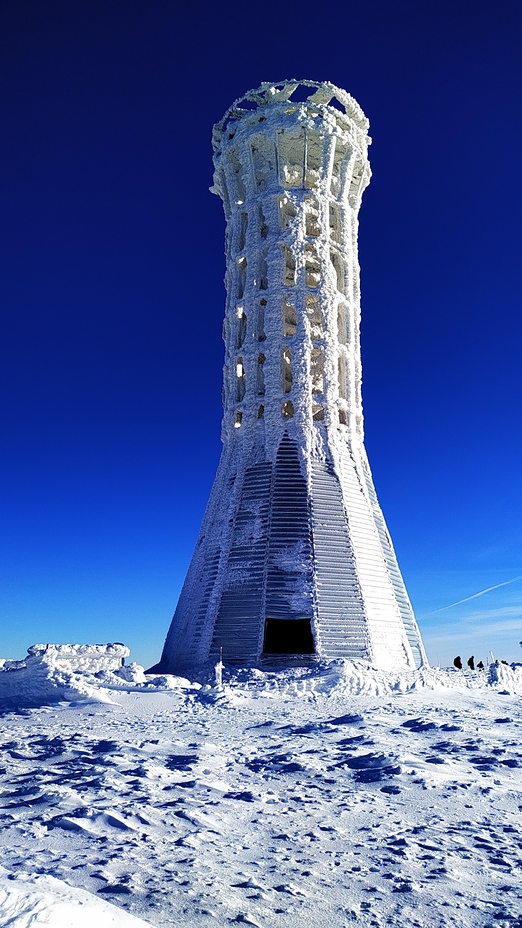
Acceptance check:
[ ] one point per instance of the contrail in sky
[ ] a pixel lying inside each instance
(474, 596)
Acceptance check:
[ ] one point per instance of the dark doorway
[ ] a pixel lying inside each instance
(288, 636)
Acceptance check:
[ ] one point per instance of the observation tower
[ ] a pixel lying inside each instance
(293, 556)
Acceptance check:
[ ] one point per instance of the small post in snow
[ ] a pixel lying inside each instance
(219, 669)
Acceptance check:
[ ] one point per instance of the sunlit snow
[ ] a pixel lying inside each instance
(332, 794)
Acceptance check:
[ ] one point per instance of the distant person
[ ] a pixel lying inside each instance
(480, 666)
(457, 662)
(471, 662)
(505, 662)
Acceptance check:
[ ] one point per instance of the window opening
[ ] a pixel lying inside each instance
(263, 161)
(238, 419)
(263, 271)
(287, 212)
(355, 183)
(242, 231)
(339, 155)
(341, 370)
(289, 318)
(235, 164)
(242, 268)
(240, 380)
(287, 370)
(312, 267)
(263, 227)
(287, 410)
(260, 412)
(338, 266)
(315, 315)
(313, 226)
(288, 636)
(300, 94)
(241, 326)
(260, 326)
(335, 222)
(314, 152)
(341, 324)
(260, 375)
(317, 370)
(291, 158)
(317, 412)
(288, 267)
(343, 418)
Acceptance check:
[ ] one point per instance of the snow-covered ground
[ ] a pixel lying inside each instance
(328, 795)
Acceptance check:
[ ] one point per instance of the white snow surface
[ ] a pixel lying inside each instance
(29, 899)
(330, 794)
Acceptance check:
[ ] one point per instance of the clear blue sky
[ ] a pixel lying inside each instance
(112, 298)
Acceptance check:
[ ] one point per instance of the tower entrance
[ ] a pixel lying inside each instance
(288, 636)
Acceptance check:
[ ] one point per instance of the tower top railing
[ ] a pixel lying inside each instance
(315, 93)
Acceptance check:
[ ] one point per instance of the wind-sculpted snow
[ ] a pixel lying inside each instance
(280, 800)
(44, 900)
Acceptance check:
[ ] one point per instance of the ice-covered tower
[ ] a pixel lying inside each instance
(293, 556)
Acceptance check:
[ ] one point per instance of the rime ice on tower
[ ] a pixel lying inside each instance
(293, 555)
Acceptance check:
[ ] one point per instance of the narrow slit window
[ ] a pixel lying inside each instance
(317, 412)
(315, 315)
(260, 412)
(341, 324)
(337, 167)
(260, 375)
(317, 370)
(235, 164)
(241, 282)
(355, 183)
(243, 225)
(341, 372)
(313, 226)
(338, 266)
(263, 161)
(240, 380)
(241, 326)
(287, 212)
(288, 267)
(289, 318)
(312, 267)
(263, 227)
(291, 147)
(238, 418)
(263, 271)
(287, 370)
(343, 417)
(287, 410)
(335, 222)
(260, 326)
(314, 152)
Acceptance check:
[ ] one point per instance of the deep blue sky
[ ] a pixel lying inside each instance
(112, 298)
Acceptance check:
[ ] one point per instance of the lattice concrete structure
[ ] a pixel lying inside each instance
(293, 556)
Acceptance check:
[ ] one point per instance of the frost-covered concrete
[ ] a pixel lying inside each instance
(293, 554)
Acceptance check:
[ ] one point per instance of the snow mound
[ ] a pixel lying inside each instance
(358, 678)
(29, 899)
(96, 673)
(73, 672)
